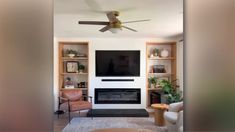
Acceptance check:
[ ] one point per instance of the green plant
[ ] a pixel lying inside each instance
(166, 86)
(81, 67)
(70, 51)
(156, 51)
(171, 90)
(153, 81)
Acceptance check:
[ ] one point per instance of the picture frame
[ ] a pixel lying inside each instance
(72, 66)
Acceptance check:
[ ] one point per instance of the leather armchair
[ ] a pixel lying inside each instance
(174, 117)
(72, 100)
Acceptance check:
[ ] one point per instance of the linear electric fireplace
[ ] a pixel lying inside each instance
(117, 96)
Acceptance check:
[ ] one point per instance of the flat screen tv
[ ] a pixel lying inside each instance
(117, 63)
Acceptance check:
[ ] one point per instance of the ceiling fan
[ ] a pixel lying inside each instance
(113, 24)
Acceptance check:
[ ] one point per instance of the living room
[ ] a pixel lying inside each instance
(122, 70)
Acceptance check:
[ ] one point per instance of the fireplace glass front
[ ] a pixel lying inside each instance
(117, 96)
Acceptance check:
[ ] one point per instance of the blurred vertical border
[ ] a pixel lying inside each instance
(26, 65)
(209, 65)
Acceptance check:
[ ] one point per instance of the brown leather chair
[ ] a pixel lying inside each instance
(72, 100)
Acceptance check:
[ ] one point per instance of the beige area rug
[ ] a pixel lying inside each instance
(85, 124)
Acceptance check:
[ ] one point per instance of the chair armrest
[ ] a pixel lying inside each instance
(62, 98)
(65, 99)
(176, 107)
(88, 97)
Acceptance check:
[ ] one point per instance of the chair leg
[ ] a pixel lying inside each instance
(79, 113)
(69, 110)
(58, 115)
(69, 117)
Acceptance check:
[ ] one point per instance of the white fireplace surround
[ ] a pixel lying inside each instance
(95, 82)
(139, 82)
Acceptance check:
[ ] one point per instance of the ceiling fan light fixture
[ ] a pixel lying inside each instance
(115, 30)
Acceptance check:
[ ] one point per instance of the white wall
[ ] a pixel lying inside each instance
(110, 44)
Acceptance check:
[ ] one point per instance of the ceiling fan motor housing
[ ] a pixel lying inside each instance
(116, 24)
(116, 13)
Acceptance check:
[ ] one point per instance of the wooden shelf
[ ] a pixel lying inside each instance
(83, 58)
(74, 88)
(162, 74)
(74, 73)
(162, 58)
(155, 89)
(74, 58)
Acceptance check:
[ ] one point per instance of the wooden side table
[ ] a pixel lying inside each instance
(158, 114)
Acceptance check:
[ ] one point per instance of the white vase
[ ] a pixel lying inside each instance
(71, 55)
(164, 53)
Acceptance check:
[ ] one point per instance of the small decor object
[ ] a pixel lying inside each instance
(156, 52)
(152, 82)
(68, 84)
(71, 53)
(81, 85)
(159, 69)
(151, 56)
(81, 55)
(81, 68)
(164, 53)
(71, 66)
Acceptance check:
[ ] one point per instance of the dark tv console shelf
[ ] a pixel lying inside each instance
(118, 80)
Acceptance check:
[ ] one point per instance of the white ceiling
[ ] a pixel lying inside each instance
(166, 17)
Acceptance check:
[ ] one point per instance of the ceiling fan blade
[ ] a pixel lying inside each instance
(105, 28)
(129, 28)
(93, 22)
(137, 21)
(112, 16)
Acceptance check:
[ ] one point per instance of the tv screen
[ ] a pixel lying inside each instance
(117, 63)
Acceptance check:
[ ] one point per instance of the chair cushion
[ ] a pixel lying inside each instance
(171, 117)
(81, 105)
(72, 94)
(76, 106)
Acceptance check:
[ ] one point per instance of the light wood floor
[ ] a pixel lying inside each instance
(62, 121)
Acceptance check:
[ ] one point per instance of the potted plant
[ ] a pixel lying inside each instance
(152, 82)
(172, 95)
(156, 52)
(71, 53)
(81, 68)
